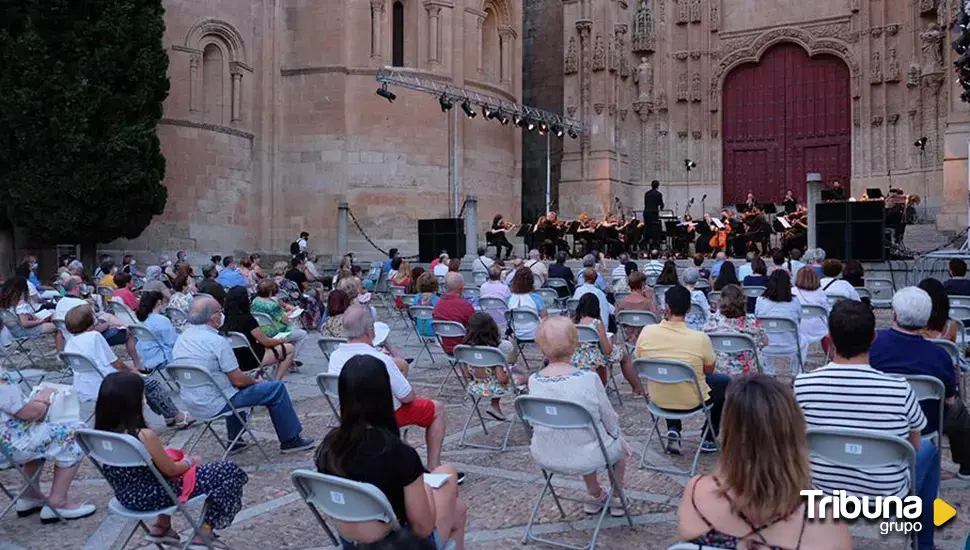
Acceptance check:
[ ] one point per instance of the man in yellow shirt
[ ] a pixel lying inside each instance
(108, 271)
(671, 339)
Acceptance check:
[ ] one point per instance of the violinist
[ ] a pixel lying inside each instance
(609, 235)
(497, 236)
(789, 203)
(796, 236)
(704, 229)
(721, 237)
(586, 233)
(552, 234)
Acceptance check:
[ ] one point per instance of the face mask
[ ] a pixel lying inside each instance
(222, 318)
(133, 263)
(168, 263)
(33, 266)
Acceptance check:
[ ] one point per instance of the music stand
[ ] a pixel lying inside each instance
(874, 193)
(770, 208)
(741, 207)
(525, 230)
(828, 195)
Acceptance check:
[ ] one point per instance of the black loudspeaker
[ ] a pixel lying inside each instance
(852, 230)
(446, 234)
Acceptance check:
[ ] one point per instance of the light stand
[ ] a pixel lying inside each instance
(921, 145)
(689, 165)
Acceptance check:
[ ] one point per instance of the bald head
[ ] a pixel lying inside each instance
(454, 283)
(203, 311)
(359, 324)
(72, 285)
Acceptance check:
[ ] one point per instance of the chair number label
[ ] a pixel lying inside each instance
(552, 411)
(662, 370)
(478, 355)
(187, 375)
(106, 445)
(853, 449)
(726, 343)
(337, 498)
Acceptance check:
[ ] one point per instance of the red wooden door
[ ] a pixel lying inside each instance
(785, 116)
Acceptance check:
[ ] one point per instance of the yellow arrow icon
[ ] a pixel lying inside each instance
(942, 512)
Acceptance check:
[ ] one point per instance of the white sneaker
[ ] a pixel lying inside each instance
(28, 506)
(592, 507)
(616, 508)
(80, 511)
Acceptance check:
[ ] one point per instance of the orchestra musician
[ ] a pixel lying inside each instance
(789, 203)
(653, 203)
(586, 233)
(497, 236)
(549, 232)
(755, 231)
(796, 236)
(749, 202)
(838, 193)
(897, 204)
(608, 234)
(705, 228)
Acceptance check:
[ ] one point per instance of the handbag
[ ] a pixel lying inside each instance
(188, 477)
(65, 407)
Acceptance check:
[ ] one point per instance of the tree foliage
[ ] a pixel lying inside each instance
(81, 89)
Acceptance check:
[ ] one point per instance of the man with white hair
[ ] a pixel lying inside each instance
(902, 350)
(537, 267)
(589, 262)
(409, 410)
(817, 259)
(589, 277)
(439, 269)
(697, 316)
(719, 260)
(201, 345)
(452, 306)
(747, 269)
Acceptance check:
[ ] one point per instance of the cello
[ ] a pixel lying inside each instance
(719, 240)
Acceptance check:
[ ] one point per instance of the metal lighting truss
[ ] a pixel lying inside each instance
(456, 95)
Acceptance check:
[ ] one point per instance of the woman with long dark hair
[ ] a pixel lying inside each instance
(777, 301)
(119, 410)
(157, 353)
(270, 351)
(727, 276)
(367, 447)
(592, 356)
(668, 275)
(15, 297)
(940, 325)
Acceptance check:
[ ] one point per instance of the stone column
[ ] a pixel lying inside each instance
(813, 195)
(195, 88)
(342, 215)
(480, 41)
(434, 16)
(505, 56)
(471, 227)
(236, 94)
(377, 23)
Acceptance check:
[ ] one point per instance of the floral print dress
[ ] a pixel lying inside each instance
(28, 441)
(742, 362)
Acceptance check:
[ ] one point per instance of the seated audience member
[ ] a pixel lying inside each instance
(524, 297)
(883, 403)
(409, 410)
(491, 382)
(758, 277)
(939, 325)
(297, 274)
(622, 283)
(777, 262)
(181, 299)
(576, 452)
(427, 297)
(854, 274)
(453, 307)
(155, 354)
(454, 265)
(155, 276)
(14, 297)
(367, 447)
(818, 258)
(727, 275)
(401, 272)
(654, 267)
(32, 440)
(559, 270)
(589, 262)
(702, 272)
(592, 356)
(619, 272)
(697, 316)
(730, 318)
(777, 302)
(794, 263)
(806, 292)
(747, 268)
(168, 266)
(494, 287)
(112, 328)
(762, 438)
(441, 268)
(668, 275)
(108, 270)
(416, 273)
(266, 351)
(719, 260)
(641, 298)
(216, 260)
(671, 339)
(210, 285)
(957, 284)
(230, 275)
(123, 285)
(87, 341)
(202, 346)
(482, 263)
(337, 304)
(136, 488)
(267, 302)
(832, 285)
(290, 295)
(589, 287)
(537, 267)
(903, 351)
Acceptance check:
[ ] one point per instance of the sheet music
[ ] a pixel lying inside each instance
(717, 223)
(784, 222)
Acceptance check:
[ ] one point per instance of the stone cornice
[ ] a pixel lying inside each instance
(218, 128)
(492, 88)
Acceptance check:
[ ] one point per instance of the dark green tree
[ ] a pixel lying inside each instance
(81, 89)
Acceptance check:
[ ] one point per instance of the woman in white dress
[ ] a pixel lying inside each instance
(524, 297)
(807, 292)
(777, 301)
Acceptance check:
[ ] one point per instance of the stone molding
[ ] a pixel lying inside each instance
(221, 29)
(219, 128)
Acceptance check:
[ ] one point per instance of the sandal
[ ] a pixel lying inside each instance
(198, 544)
(186, 421)
(169, 537)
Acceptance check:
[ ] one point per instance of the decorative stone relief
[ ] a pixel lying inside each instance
(611, 109)
(695, 88)
(612, 60)
(681, 134)
(571, 111)
(927, 6)
(832, 30)
(680, 56)
(644, 39)
(876, 32)
(599, 53)
(877, 120)
(683, 89)
(572, 62)
(892, 66)
(598, 107)
(643, 109)
(854, 6)
(695, 11)
(892, 30)
(715, 15)
(695, 54)
(875, 68)
(585, 28)
(683, 11)
(643, 77)
(932, 39)
(912, 75)
(714, 134)
(696, 134)
(662, 101)
(623, 61)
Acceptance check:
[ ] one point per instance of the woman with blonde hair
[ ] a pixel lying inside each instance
(753, 499)
(807, 292)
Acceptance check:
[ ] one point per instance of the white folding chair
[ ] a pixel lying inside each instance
(571, 305)
(735, 343)
(105, 292)
(714, 298)
(19, 344)
(477, 357)
(81, 364)
(864, 293)
(589, 335)
(190, 376)
(329, 387)
(176, 316)
(441, 282)
(652, 280)
(959, 312)
(125, 451)
(660, 293)
(524, 318)
(959, 301)
(143, 333)
(958, 361)
(421, 315)
(556, 283)
(471, 292)
(492, 305)
(557, 414)
(862, 449)
(810, 311)
(930, 388)
(263, 319)
(780, 326)
(327, 345)
(238, 340)
(637, 319)
(753, 291)
(669, 372)
(551, 300)
(401, 316)
(834, 298)
(31, 483)
(120, 310)
(449, 329)
(620, 295)
(702, 284)
(479, 277)
(881, 292)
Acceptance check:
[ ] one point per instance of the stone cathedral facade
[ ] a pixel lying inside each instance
(758, 93)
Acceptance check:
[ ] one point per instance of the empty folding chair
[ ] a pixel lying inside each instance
(556, 283)
(524, 324)
(238, 340)
(670, 372)
(328, 384)
(571, 305)
(734, 343)
(142, 333)
(398, 292)
(449, 329)
(930, 388)
(882, 291)
(19, 344)
(753, 291)
(550, 298)
(959, 312)
(125, 451)
(959, 301)
(106, 292)
(328, 345)
(637, 319)
(121, 311)
(589, 335)
(864, 293)
(557, 414)
(421, 318)
(189, 376)
(478, 357)
(31, 483)
(778, 328)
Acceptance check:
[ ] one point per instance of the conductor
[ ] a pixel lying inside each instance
(653, 203)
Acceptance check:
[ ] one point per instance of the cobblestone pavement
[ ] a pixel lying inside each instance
(500, 488)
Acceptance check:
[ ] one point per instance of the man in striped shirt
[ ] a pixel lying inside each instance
(848, 393)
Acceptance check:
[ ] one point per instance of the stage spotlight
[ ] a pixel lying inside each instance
(467, 107)
(445, 103)
(921, 143)
(543, 128)
(557, 130)
(689, 164)
(386, 94)
(573, 134)
(503, 118)
(518, 120)
(530, 125)
(487, 112)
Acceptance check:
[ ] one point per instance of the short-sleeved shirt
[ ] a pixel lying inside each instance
(861, 398)
(275, 311)
(229, 278)
(245, 325)
(128, 297)
(65, 305)
(203, 346)
(92, 345)
(400, 387)
(957, 287)
(297, 276)
(385, 462)
(453, 308)
(677, 342)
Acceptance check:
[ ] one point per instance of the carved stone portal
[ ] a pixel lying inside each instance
(682, 87)
(892, 68)
(644, 39)
(572, 57)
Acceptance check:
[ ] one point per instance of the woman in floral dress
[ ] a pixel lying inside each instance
(594, 356)
(491, 382)
(182, 298)
(731, 317)
(290, 293)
